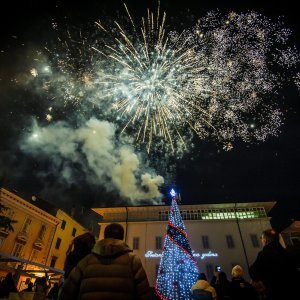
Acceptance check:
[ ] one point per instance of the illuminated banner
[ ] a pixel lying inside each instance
(151, 254)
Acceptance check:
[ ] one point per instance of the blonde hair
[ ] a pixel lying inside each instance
(237, 271)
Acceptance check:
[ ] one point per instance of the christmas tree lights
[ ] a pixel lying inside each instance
(178, 269)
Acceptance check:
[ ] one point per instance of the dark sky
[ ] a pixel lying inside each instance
(256, 172)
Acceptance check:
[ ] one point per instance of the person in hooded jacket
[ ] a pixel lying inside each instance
(110, 272)
(202, 290)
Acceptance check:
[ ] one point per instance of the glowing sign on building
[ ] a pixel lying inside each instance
(203, 255)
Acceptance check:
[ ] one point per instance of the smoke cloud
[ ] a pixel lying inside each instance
(94, 151)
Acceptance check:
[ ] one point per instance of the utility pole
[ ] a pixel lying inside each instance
(242, 240)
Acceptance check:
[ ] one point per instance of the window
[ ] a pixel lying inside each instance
(158, 243)
(58, 241)
(53, 261)
(17, 251)
(74, 232)
(136, 242)
(230, 242)
(231, 213)
(26, 225)
(295, 241)
(42, 232)
(63, 224)
(209, 271)
(205, 242)
(34, 255)
(254, 240)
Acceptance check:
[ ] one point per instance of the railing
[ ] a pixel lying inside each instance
(200, 214)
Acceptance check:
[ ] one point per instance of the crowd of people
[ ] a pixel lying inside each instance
(41, 288)
(274, 276)
(221, 288)
(109, 270)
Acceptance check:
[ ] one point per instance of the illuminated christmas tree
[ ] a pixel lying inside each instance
(178, 269)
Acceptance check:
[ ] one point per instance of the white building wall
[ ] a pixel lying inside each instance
(216, 230)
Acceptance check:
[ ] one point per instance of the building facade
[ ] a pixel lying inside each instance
(66, 231)
(220, 234)
(32, 236)
(40, 240)
(291, 234)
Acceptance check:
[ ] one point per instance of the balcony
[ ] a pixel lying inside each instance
(4, 232)
(38, 244)
(22, 236)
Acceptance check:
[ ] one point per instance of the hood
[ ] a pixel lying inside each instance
(110, 247)
(201, 284)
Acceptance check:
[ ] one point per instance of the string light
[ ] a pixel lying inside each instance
(178, 269)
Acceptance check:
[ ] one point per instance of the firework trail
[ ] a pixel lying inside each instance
(218, 80)
(154, 80)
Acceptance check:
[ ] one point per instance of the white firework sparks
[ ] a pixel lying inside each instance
(215, 79)
(154, 80)
(34, 72)
(219, 80)
(49, 117)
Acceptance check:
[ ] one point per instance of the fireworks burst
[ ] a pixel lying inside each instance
(154, 80)
(219, 80)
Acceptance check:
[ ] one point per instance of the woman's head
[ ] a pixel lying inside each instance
(84, 241)
(237, 271)
(222, 277)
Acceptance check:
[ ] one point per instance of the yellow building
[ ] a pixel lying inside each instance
(32, 237)
(67, 230)
(40, 240)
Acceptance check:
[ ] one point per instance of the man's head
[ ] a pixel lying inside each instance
(202, 276)
(268, 236)
(114, 231)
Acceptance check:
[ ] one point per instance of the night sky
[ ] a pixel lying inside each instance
(207, 174)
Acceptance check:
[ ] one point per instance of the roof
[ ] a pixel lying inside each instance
(292, 228)
(15, 199)
(42, 204)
